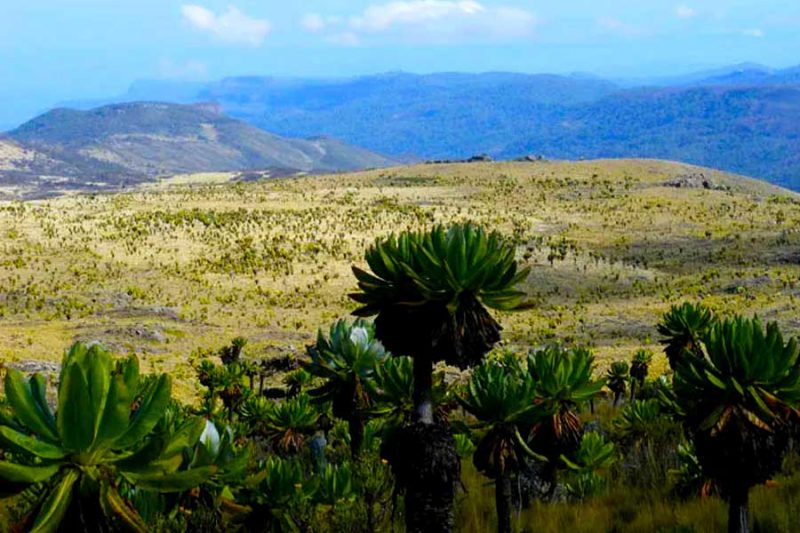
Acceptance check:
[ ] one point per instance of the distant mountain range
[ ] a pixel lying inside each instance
(125, 144)
(742, 118)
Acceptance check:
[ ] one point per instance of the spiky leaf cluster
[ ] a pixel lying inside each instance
(595, 453)
(347, 360)
(436, 285)
(639, 418)
(102, 431)
(280, 489)
(563, 376)
(232, 354)
(287, 424)
(746, 372)
(640, 365)
(440, 265)
(617, 377)
(495, 395)
(394, 394)
(682, 327)
(563, 380)
(334, 485)
(737, 398)
(502, 401)
(395, 390)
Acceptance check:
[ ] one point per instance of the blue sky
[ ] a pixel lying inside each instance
(56, 50)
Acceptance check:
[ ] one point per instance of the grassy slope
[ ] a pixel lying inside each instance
(172, 271)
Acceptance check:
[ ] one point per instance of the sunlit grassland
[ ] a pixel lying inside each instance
(180, 268)
(630, 510)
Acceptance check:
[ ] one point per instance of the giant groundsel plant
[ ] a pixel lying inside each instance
(100, 436)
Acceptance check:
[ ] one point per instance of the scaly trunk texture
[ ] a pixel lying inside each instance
(502, 500)
(426, 466)
(433, 468)
(431, 449)
(423, 455)
(738, 512)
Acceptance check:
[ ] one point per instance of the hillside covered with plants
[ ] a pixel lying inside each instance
(744, 122)
(535, 347)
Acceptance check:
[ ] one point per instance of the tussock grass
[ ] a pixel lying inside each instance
(610, 246)
(630, 510)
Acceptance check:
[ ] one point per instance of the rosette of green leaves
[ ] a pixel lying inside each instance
(436, 284)
(100, 433)
(502, 401)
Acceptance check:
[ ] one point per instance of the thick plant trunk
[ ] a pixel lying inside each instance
(430, 482)
(426, 463)
(502, 500)
(356, 429)
(738, 512)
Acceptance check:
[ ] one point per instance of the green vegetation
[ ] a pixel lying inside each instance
(640, 367)
(138, 462)
(738, 395)
(436, 284)
(277, 451)
(102, 436)
(170, 272)
(502, 399)
(347, 361)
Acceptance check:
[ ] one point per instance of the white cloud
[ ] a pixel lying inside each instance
(314, 23)
(685, 12)
(753, 32)
(383, 17)
(232, 26)
(444, 21)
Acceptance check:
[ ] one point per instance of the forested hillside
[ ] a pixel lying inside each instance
(742, 118)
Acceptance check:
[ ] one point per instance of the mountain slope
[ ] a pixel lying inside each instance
(437, 115)
(125, 144)
(749, 130)
(741, 119)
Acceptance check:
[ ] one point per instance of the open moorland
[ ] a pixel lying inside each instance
(177, 268)
(219, 286)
